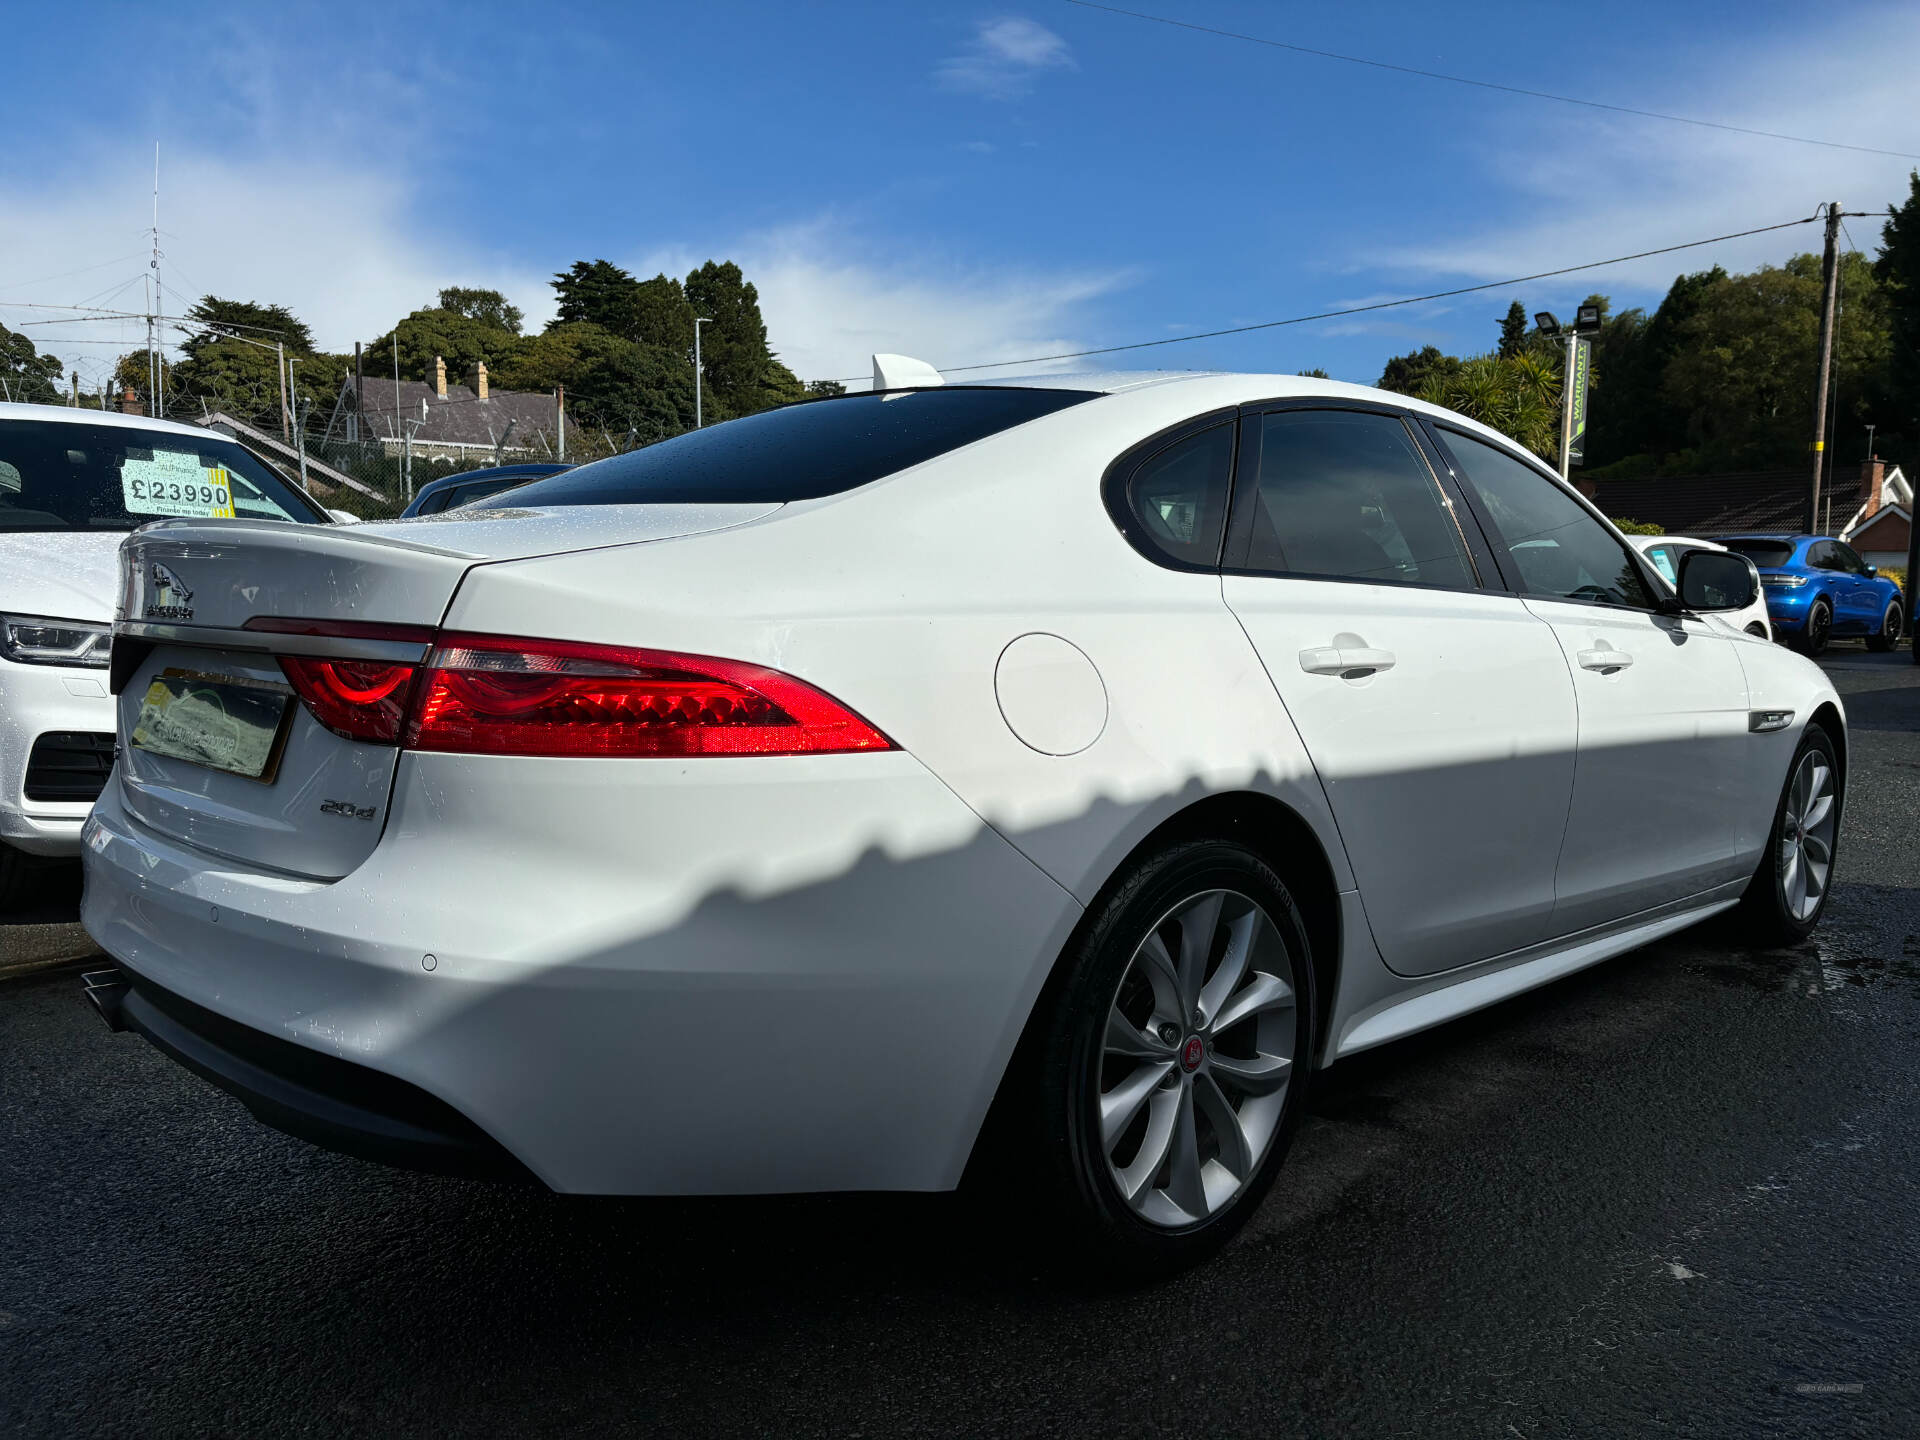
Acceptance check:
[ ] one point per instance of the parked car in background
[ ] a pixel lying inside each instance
(1664, 552)
(1819, 590)
(1052, 773)
(450, 492)
(72, 484)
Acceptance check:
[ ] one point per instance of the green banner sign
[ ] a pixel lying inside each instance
(1582, 375)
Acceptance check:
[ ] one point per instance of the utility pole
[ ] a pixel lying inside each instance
(696, 369)
(359, 390)
(280, 372)
(560, 418)
(1829, 286)
(299, 430)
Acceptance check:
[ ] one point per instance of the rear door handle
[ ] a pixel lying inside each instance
(1605, 661)
(1352, 661)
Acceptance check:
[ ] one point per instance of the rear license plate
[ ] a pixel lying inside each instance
(239, 726)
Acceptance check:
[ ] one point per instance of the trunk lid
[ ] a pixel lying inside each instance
(187, 592)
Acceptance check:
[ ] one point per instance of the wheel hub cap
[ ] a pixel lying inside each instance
(1197, 1056)
(1807, 831)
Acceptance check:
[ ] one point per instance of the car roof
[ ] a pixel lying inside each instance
(1222, 388)
(73, 415)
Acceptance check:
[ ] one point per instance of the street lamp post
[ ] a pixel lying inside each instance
(698, 322)
(1586, 322)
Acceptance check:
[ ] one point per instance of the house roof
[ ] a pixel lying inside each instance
(459, 418)
(1709, 505)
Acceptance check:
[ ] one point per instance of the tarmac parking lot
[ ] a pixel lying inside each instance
(1678, 1191)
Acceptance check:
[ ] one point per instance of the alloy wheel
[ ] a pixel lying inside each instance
(1197, 1058)
(1807, 827)
(1819, 623)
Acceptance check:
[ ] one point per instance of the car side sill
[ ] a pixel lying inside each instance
(1448, 999)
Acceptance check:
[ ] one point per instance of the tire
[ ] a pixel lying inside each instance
(1773, 916)
(1890, 626)
(1757, 630)
(1818, 630)
(1126, 961)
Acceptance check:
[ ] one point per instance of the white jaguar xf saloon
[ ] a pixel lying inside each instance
(1061, 769)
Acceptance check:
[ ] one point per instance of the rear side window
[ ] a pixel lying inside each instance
(1345, 494)
(1767, 554)
(800, 452)
(1179, 497)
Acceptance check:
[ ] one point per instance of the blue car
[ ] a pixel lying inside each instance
(1818, 590)
(451, 491)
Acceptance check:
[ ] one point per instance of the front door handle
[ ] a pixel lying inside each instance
(1605, 661)
(1351, 661)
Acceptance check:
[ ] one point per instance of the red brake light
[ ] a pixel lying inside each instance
(359, 699)
(505, 696)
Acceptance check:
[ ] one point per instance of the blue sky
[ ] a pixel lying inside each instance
(963, 183)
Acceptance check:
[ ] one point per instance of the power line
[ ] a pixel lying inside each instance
(1363, 309)
(1489, 84)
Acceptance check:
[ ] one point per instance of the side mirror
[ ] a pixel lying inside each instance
(1712, 580)
(1873, 570)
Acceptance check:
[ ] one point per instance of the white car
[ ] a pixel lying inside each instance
(749, 811)
(72, 484)
(1664, 553)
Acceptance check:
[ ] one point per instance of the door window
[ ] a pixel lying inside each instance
(1849, 559)
(1557, 547)
(1179, 497)
(1345, 494)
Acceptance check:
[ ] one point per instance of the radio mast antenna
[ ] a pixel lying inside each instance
(156, 360)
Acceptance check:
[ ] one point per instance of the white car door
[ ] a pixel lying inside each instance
(1436, 707)
(1663, 699)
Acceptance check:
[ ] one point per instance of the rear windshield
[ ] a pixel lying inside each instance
(1764, 553)
(798, 453)
(60, 476)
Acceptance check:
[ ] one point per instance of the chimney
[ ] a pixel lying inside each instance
(1873, 475)
(477, 379)
(129, 402)
(439, 377)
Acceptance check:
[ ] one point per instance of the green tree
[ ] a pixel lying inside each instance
(489, 307)
(1316, 373)
(458, 339)
(1513, 331)
(1743, 369)
(1897, 269)
(743, 374)
(612, 382)
(1518, 395)
(28, 374)
(228, 363)
(1409, 374)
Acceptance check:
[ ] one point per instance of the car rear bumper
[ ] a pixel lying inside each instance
(317, 1097)
(36, 700)
(734, 978)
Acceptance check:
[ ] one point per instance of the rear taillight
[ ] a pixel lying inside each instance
(360, 699)
(498, 695)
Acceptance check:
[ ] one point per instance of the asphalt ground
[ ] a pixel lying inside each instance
(1674, 1194)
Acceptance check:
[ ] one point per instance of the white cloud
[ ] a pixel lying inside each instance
(832, 298)
(343, 251)
(1586, 186)
(1004, 59)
